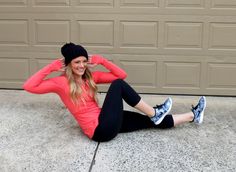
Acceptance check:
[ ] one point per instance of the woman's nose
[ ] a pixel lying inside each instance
(81, 64)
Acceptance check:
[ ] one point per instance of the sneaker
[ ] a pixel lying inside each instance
(161, 111)
(198, 110)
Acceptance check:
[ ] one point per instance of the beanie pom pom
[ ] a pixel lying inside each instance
(65, 49)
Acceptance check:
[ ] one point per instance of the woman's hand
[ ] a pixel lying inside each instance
(63, 66)
(58, 65)
(97, 59)
(91, 63)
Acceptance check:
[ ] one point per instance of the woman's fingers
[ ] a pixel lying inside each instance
(90, 65)
(63, 67)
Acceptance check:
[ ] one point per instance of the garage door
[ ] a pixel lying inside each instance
(166, 46)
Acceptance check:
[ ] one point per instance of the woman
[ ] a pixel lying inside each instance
(77, 88)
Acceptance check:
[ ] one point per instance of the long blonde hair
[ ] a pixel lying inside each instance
(75, 88)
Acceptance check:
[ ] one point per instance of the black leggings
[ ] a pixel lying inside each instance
(113, 119)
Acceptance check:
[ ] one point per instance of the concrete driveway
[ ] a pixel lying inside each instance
(37, 134)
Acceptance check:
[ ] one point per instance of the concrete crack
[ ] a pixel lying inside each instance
(94, 156)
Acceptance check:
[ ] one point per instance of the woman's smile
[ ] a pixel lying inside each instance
(79, 65)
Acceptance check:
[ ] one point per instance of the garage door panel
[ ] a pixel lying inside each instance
(183, 35)
(9, 79)
(51, 3)
(138, 34)
(141, 73)
(14, 32)
(139, 3)
(221, 75)
(96, 33)
(52, 32)
(13, 2)
(181, 75)
(222, 35)
(223, 4)
(185, 3)
(95, 2)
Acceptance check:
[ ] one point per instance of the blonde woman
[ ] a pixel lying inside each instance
(77, 88)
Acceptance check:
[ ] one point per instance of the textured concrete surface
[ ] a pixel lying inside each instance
(38, 134)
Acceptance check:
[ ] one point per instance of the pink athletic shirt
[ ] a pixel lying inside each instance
(85, 112)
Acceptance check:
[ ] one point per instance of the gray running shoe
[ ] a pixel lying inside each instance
(198, 110)
(161, 111)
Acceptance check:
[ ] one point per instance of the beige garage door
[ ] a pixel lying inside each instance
(166, 46)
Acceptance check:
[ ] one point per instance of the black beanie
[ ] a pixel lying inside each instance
(70, 51)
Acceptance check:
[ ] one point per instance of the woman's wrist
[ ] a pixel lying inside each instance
(56, 65)
(97, 59)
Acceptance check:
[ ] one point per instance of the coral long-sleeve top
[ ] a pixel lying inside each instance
(85, 112)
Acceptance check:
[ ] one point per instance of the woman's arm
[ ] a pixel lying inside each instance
(115, 72)
(38, 84)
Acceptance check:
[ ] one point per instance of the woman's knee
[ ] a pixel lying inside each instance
(118, 81)
(104, 137)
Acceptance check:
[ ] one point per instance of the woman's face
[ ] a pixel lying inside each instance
(79, 65)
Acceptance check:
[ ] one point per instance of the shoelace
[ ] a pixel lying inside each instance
(161, 109)
(196, 110)
(193, 109)
(158, 114)
(157, 106)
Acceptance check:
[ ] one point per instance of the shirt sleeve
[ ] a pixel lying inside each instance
(114, 73)
(38, 84)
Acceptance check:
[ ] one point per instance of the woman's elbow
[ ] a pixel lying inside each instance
(123, 76)
(31, 89)
(27, 87)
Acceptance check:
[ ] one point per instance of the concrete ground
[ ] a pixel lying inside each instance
(37, 134)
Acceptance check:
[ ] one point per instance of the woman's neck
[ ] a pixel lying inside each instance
(80, 80)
